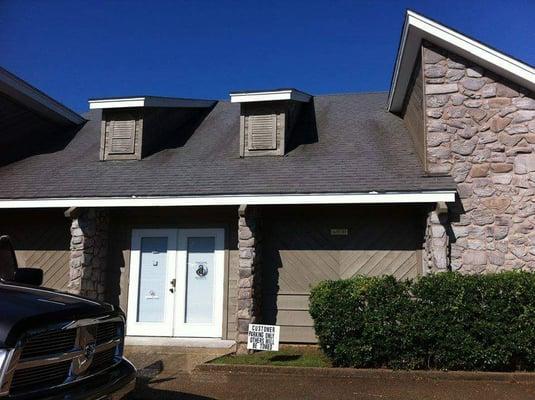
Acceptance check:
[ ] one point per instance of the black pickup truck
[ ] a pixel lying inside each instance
(55, 345)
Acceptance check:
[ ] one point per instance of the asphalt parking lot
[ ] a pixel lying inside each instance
(181, 375)
(232, 386)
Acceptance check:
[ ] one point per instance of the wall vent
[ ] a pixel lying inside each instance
(262, 132)
(267, 119)
(122, 136)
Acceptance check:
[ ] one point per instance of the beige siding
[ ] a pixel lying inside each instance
(300, 252)
(41, 239)
(413, 114)
(124, 220)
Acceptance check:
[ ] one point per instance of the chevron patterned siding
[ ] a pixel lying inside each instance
(300, 251)
(41, 239)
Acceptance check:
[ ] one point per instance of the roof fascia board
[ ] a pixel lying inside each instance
(417, 28)
(36, 100)
(276, 95)
(298, 199)
(129, 102)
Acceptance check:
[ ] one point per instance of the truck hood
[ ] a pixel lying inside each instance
(27, 307)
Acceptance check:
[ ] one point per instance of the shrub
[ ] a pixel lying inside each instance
(442, 321)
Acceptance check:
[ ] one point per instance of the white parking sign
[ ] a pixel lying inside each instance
(263, 337)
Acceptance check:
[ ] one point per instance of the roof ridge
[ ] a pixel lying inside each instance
(353, 93)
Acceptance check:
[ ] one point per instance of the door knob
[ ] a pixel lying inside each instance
(173, 285)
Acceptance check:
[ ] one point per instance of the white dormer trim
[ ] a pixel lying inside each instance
(418, 28)
(33, 98)
(148, 101)
(269, 95)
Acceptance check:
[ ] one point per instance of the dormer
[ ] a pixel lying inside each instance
(135, 127)
(267, 119)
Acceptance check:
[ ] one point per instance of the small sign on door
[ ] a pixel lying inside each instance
(263, 337)
(339, 231)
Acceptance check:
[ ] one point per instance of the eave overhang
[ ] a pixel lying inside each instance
(417, 28)
(25, 94)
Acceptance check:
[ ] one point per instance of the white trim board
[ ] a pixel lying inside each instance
(269, 95)
(33, 98)
(447, 196)
(148, 101)
(209, 343)
(418, 28)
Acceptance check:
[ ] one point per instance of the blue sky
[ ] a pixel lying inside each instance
(74, 50)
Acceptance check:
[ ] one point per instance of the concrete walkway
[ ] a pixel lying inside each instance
(156, 360)
(172, 375)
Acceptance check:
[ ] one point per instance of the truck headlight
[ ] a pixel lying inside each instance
(5, 356)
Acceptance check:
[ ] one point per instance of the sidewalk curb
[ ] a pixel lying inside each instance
(518, 377)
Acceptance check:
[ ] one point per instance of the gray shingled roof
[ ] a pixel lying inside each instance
(361, 147)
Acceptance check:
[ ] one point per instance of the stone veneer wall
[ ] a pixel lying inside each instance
(89, 247)
(250, 274)
(436, 243)
(481, 130)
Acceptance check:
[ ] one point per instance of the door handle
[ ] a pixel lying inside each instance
(173, 285)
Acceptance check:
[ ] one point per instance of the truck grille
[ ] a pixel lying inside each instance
(102, 360)
(107, 331)
(49, 343)
(52, 358)
(35, 378)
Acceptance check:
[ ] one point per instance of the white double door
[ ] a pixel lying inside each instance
(176, 283)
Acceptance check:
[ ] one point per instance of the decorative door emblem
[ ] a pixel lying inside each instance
(202, 270)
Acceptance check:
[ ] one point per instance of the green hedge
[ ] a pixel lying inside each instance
(442, 321)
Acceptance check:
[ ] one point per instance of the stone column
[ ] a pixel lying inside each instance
(250, 273)
(89, 246)
(436, 241)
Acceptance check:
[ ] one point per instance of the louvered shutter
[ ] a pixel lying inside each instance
(262, 132)
(122, 136)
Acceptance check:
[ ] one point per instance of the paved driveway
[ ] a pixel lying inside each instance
(173, 377)
(152, 360)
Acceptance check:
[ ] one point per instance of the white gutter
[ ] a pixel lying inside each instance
(418, 28)
(289, 199)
